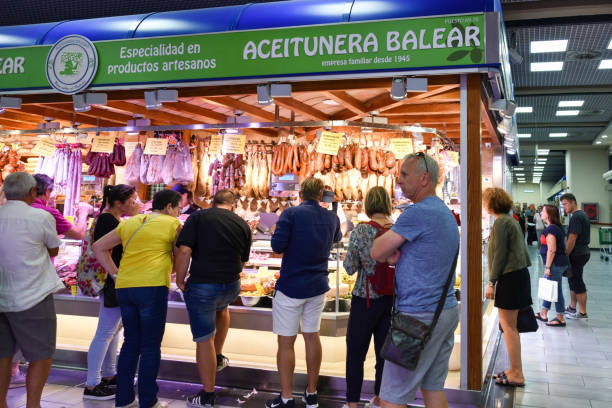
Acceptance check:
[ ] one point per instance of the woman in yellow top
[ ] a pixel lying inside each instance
(142, 283)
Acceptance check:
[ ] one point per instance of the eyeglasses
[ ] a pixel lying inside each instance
(422, 155)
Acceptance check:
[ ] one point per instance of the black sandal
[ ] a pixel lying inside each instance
(504, 381)
(539, 317)
(558, 323)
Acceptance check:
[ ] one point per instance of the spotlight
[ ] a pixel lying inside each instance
(78, 100)
(154, 99)
(264, 95)
(8, 102)
(398, 89)
(504, 106)
(416, 84)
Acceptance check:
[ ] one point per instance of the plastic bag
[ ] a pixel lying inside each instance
(132, 169)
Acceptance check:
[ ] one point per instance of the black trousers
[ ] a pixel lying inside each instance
(364, 323)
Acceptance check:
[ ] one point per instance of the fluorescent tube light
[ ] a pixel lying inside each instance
(522, 181)
(523, 135)
(546, 66)
(598, 142)
(610, 44)
(570, 104)
(557, 134)
(604, 136)
(568, 113)
(519, 168)
(524, 109)
(542, 152)
(537, 47)
(519, 174)
(605, 64)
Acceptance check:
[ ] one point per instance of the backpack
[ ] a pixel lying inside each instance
(383, 280)
(90, 275)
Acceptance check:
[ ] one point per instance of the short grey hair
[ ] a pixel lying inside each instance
(18, 185)
(427, 164)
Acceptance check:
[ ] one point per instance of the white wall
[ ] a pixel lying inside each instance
(520, 196)
(545, 188)
(584, 168)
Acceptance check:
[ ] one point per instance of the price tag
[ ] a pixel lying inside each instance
(401, 147)
(233, 144)
(156, 146)
(454, 156)
(263, 270)
(44, 147)
(129, 148)
(103, 144)
(329, 143)
(216, 143)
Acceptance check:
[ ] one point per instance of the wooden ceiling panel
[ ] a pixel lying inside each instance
(43, 110)
(302, 108)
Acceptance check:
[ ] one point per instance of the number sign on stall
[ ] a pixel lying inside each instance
(216, 143)
(329, 143)
(103, 144)
(156, 146)
(45, 147)
(401, 147)
(233, 144)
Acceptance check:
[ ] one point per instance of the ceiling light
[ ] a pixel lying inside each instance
(264, 96)
(398, 89)
(542, 152)
(557, 135)
(569, 104)
(605, 64)
(151, 101)
(524, 109)
(519, 168)
(610, 44)
(524, 135)
(522, 181)
(538, 168)
(546, 66)
(604, 136)
(568, 113)
(330, 102)
(537, 47)
(520, 161)
(154, 99)
(78, 101)
(9, 102)
(598, 142)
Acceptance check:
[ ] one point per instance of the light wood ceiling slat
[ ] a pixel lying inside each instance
(301, 107)
(346, 100)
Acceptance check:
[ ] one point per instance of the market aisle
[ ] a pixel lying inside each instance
(572, 366)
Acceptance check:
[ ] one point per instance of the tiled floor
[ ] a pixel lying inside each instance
(572, 366)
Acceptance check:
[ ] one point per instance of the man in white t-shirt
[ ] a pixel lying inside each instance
(27, 282)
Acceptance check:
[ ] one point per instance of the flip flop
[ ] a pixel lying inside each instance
(558, 323)
(501, 374)
(507, 383)
(539, 317)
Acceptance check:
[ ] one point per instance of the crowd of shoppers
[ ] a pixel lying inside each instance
(411, 259)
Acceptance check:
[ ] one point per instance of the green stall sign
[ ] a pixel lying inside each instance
(364, 46)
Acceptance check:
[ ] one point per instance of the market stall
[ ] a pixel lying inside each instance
(339, 94)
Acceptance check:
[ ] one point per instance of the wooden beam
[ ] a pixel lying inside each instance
(18, 116)
(209, 114)
(231, 103)
(302, 108)
(97, 111)
(474, 229)
(247, 89)
(168, 118)
(70, 117)
(349, 102)
(429, 119)
(13, 124)
(434, 108)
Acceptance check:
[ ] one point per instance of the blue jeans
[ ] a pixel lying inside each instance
(143, 311)
(556, 274)
(102, 354)
(203, 301)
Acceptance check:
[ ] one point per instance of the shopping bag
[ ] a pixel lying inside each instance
(547, 290)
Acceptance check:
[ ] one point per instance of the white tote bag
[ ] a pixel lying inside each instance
(547, 290)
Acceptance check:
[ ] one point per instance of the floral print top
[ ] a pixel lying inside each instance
(358, 259)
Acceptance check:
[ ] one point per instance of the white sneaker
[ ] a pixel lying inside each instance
(371, 403)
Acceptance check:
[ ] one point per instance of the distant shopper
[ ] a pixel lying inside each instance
(509, 281)
(101, 381)
(28, 281)
(539, 224)
(423, 242)
(187, 205)
(555, 260)
(370, 310)
(44, 188)
(578, 239)
(304, 235)
(218, 242)
(531, 226)
(142, 283)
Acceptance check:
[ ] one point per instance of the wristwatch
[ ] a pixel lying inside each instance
(492, 284)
